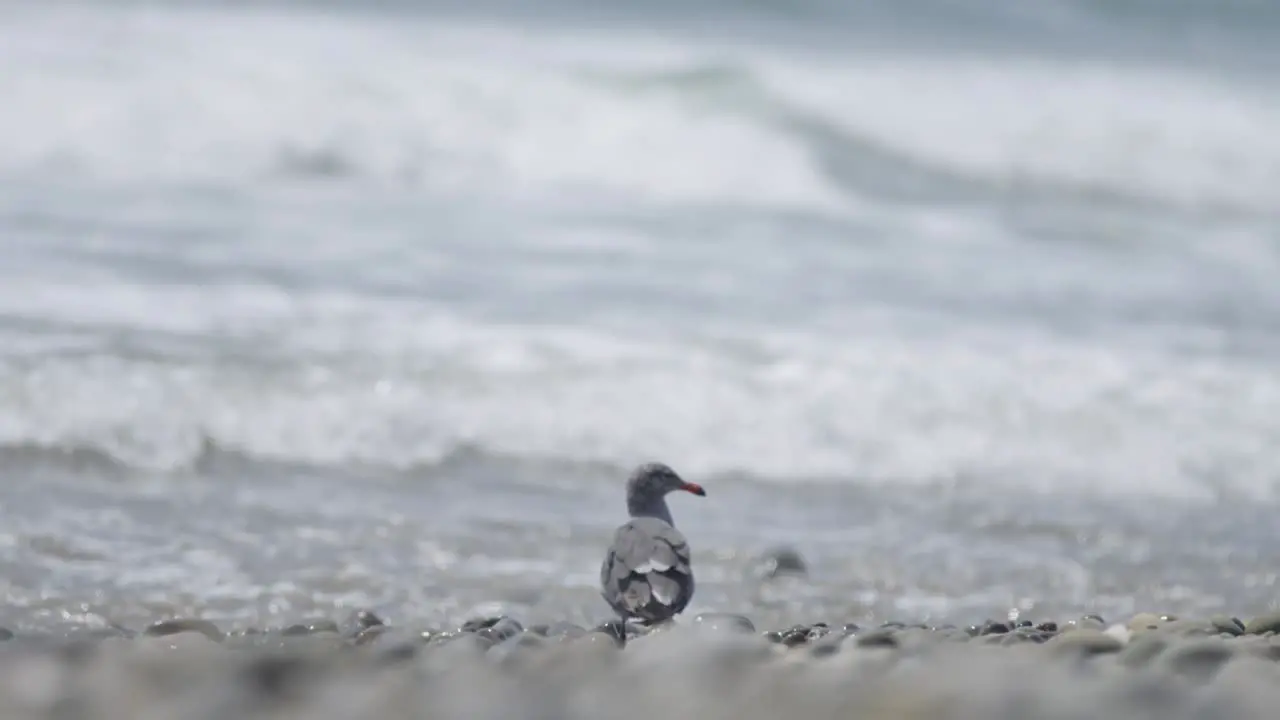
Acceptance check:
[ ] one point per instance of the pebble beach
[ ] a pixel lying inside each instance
(330, 331)
(708, 666)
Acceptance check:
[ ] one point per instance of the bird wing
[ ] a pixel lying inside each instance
(647, 571)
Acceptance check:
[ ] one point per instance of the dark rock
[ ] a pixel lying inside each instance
(974, 630)
(5, 634)
(1023, 624)
(725, 621)
(817, 632)
(1048, 627)
(849, 628)
(614, 629)
(994, 628)
(478, 624)
(795, 636)
(499, 631)
(180, 625)
(885, 638)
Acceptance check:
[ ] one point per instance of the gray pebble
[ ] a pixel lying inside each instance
(725, 622)
(517, 649)
(827, 646)
(1084, 642)
(994, 628)
(564, 631)
(499, 631)
(1190, 628)
(311, 628)
(182, 625)
(1143, 622)
(1201, 659)
(1142, 649)
(783, 561)
(885, 638)
(1229, 625)
(615, 630)
(360, 620)
(1269, 623)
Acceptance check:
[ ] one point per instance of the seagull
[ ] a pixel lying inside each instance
(647, 574)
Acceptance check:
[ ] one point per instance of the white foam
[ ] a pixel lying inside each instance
(145, 95)
(332, 376)
(1134, 131)
(237, 97)
(413, 384)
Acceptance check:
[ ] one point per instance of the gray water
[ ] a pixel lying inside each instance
(314, 305)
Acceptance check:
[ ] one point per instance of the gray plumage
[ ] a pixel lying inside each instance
(647, 572)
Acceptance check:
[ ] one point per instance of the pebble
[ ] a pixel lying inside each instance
(1143, 622)
(1269, 623)
(780, 561)
(1085, 641)
(563, 631)
(1199, 659)
(501, 629)
(1229, 625)
(1142, 649)
(311, 628)
(498, 667)
(360, 620)
(173, 627)
(725, 622)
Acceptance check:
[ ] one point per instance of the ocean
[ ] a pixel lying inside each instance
(308, 306)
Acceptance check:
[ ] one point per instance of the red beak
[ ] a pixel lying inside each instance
(694, 488)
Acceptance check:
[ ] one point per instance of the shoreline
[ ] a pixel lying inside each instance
(713, 665)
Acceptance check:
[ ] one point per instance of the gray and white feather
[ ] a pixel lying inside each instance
(647, 572)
